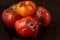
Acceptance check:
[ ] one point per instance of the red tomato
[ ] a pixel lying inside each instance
(26, 8)
(27, 27)
(43, 16)
(9, 16)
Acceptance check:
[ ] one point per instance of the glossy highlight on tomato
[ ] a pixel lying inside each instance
(9, 16)
(27, 27)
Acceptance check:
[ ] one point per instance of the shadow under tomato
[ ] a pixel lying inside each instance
(42, 34)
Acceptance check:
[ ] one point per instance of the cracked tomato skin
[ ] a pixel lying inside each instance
(27, 27)
(42, 16)
(26, 8)
(9, 16)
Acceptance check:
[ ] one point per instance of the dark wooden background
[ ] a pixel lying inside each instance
(53, 6)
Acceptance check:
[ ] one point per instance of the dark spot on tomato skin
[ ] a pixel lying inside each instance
(31, 6)
(40, 20)
(40, 12)
(22, 4)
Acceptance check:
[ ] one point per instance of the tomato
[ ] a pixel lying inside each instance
(43, 16)
(13, 7)
(26, 8)
(9, 16)
(27, 27)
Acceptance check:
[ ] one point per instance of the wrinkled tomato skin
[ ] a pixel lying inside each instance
(26, 8)
(9, 17)
(46, 16)
(23, 30)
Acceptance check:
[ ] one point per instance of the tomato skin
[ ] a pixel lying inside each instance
(26, 8)
(45, 15)
(9, 17)
(24, 30)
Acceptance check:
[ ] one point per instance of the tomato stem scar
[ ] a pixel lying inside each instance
(30, 25)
